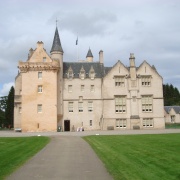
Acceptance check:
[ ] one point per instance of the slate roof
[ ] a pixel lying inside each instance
(107, 69)
(56, 42)
(89, 54)
(176, 109)
(76, 67)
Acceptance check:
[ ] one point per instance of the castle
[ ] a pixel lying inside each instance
(52, 95)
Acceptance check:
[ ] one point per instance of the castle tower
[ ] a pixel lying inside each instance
(36, 92)
(56, 50)
(57, 55)
(89, 56)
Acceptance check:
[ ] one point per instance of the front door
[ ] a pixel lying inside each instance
(66, 125)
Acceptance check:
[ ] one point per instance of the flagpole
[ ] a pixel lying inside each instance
(77, 48)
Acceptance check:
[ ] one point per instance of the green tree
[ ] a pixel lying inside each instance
(171, 95)
(2, 118)
(9, 112)
(3, 106)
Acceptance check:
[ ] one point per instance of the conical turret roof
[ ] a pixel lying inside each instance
(89, 54)
(56, 43)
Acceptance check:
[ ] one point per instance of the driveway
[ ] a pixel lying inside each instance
(64, 158)
(68, 156)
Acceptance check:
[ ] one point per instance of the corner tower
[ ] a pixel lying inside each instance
(57, 55)
(56, 50)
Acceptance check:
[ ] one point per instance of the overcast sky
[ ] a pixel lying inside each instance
(148, 28)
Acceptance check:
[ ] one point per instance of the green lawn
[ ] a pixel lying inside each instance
(15, 151)
(137, 157)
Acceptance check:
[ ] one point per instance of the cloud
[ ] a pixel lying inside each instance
(4, 91)
(86, 23)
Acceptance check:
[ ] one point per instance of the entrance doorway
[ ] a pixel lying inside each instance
(66, 125)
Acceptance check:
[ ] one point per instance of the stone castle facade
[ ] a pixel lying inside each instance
(52, 95)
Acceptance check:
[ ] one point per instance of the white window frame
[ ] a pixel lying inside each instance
(92, 74)
(39, 75)
(80, 107)
(146, 81)
(147, 103)
(90, 106)
(40, 88)
(119, 81)
(39, 108)
(148, 122)
(82, 75)
(70, 107)
(70, 74)
(120, 104)
(121, 123)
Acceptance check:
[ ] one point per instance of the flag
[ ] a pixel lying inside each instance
(77, 41)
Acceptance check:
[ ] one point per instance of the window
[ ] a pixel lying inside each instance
(69, 88)
(146, 80)
(82, 75)
(147, 103)
(20, 110)
(173, 118)
(40, 89)
(39, 108)
(92, 88)
(148, 122)
(92, 73)
(90, 106)
(70, 106)
(121, 123)
(39, 75)
(82, 88)
(119, 81)
(80, 106)
(90, 123)
(120, 104)
(44, 59)
(70, 74)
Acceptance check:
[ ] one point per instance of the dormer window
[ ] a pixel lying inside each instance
(70, 74)
(92, 73)
(82, 74)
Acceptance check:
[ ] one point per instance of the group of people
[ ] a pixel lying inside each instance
(80, 129)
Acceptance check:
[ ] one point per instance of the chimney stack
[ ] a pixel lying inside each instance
(101, 59)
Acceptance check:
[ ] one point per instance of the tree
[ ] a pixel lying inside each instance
(171, 95)
(3, 103)
(3, 106)
(2, 118)
(9, 112)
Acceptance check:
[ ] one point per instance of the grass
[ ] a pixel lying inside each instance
(172, 125)
(139, 157)
(16, 151)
